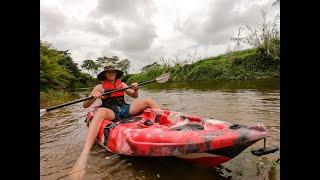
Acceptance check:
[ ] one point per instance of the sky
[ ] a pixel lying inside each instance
(146, 30)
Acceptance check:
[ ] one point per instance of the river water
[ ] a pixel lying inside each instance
(62, 133)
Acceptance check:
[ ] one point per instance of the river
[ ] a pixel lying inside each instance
(62, 133)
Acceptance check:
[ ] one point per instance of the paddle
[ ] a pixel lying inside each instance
(161, 79)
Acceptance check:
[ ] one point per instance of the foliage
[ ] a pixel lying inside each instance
(123, 65)
(125, 77)
(52, 74)
(67, 62)
(144, 76)
(58, 71)
(90, 66)
(54, 97)
(102, 61)
(266, 41)
(151, 66)
(248, 64)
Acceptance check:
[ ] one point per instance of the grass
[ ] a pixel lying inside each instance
(241, 65)
(55, 97)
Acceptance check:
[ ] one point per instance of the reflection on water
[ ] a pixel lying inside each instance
(244, 102)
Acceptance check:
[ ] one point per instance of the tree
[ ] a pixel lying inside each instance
(58, 71)
(90, 66)
(52, 74)
(124, 65)
(102, 61)
(151, 66)
(67, 62)
(114, 59)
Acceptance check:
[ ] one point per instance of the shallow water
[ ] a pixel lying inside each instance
(62, 133)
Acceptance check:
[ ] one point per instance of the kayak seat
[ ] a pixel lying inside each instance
(187, 127)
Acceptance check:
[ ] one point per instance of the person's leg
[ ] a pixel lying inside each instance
(78, 169)
(139, 105)
(100, 115)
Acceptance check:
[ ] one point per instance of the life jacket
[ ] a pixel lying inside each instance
(114, 100)
(108, 86)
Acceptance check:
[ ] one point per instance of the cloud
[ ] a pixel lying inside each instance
(221, 21)
(132, 10)
(136, 30)
(135, 37)
(145, 30)
(103, 27)
(52, 21)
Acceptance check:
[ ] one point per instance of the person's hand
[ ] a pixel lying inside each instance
(96, 94)
(134, 85)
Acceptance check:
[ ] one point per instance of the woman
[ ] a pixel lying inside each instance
(113, 106)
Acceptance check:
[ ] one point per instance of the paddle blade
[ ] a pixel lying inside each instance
(163, 78)
(42, 112)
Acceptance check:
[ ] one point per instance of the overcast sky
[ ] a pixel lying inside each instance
(145, 30)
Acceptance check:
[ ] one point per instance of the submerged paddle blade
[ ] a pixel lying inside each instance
(42, 112)
(163, 78)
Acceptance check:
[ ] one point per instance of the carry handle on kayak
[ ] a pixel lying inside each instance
(161, 79)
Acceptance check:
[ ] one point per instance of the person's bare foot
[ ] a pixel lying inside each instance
(79, 169)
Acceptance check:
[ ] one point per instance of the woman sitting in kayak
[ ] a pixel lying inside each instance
(113, 106)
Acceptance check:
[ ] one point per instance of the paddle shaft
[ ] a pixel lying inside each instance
(91, 97)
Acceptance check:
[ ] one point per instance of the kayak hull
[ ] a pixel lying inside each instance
(167, 133)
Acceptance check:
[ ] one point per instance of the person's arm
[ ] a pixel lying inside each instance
(96, 93)
(132, 92)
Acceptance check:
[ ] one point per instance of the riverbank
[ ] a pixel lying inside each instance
(241, 65)
(55, 97)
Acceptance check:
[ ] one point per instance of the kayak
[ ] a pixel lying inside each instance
(164, 133)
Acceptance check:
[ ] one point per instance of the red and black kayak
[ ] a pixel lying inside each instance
(157, 132)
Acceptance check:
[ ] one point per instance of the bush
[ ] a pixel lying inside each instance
(206, 71)
(54, 97)
(58, 71)
(125, 78)
(145, 76)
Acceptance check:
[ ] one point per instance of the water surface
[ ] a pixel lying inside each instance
(62, 133)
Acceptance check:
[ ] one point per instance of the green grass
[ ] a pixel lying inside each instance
(55, 97)
(241, 65)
